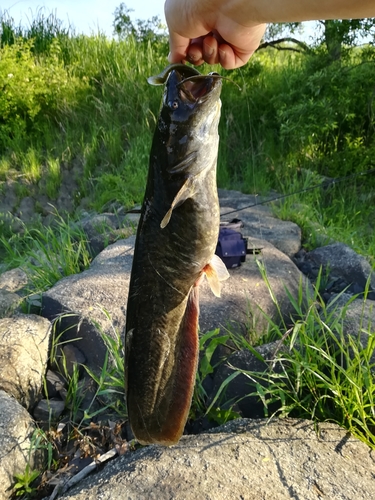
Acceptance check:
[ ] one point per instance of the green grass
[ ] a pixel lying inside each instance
(46, 254)
(323, 374)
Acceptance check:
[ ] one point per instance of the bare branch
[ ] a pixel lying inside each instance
(276, 44)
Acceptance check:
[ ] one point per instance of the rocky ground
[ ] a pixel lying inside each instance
(248, 459)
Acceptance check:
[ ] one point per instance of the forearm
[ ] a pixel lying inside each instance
(278, 11)
(229, 31)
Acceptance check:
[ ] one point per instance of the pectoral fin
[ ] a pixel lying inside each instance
(187, 191)
(215, 272)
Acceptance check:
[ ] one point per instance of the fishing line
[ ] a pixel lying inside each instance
(244, 87)
(202, 77)
(325, 183)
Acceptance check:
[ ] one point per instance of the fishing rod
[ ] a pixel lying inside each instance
(325, 184)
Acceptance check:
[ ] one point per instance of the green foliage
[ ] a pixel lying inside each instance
(32, 90)
(42, 29)
(334, 38)
(330, 378)
(322, 373)
(110, 381)
(151, 30)
(208, 344)
(296, 112)
(24, 482)
(82, 99)
(53, 177)
(323, 117)
(47, 254)
(343, 212)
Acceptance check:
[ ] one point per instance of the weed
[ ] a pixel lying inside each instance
(200, 407)
(110, 381)
(24, 482)
(53, 176)
(326, 375)
(47, 254)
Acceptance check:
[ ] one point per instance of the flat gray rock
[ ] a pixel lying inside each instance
(9, 302)
(24, 345)
(245, 459)
(357, 318)
(82, 300)
(93, 301)
(343, 260)
(245, 297)
(237, 200)
(259, 221)
(13, 280)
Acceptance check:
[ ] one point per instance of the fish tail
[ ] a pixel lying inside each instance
(174, 407)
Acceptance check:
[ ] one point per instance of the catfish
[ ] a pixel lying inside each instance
(174, 250)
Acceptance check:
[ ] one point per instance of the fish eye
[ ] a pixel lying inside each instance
(173, 104)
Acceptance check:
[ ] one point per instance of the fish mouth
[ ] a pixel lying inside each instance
(197, 87)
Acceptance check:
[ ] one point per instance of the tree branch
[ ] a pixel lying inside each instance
(275, 44)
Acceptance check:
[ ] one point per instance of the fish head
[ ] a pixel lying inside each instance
(188, 120)
(189, 95)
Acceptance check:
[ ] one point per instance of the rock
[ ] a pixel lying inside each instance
(83, 302)
(284, 235)
(245, 298)
(69, 186)
(9, 198)
(67, 357)
(11, 224)
(16, 429)
(13, 280)
(104, 229)
(99, 223)
(26, 210)
(82, 299)
(259, 222)
(343, 261)
(99, 242)
(55, 383)
(238, 200)
(248, 459)
(24, 344)
(132, 219)
(48, 409)
(357, 318)
(9, 302)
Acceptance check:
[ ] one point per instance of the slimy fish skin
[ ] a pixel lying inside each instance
(174, 250)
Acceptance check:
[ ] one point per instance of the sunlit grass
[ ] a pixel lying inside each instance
(53, 177)
(47, 254)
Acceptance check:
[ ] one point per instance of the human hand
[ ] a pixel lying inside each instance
(200, 32)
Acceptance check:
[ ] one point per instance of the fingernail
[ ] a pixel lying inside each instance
(222, 54)
(192, 57)
(169, 57)
(208, 50)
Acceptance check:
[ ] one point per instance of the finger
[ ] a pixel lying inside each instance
(195, 53)
(210, 50)
(230, 58)
(178, 46)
